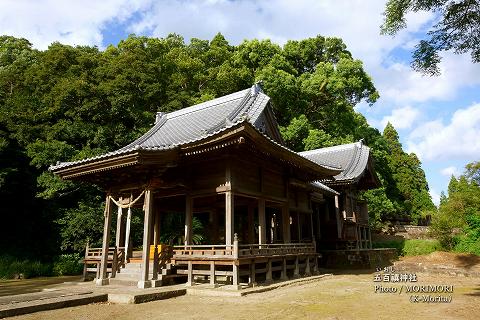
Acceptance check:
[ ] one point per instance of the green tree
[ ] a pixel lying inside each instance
(457, 222)
(457, 29)
(408, 184)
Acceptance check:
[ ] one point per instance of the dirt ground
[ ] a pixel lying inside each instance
(344, 296)
(469, 262)
(20, 286)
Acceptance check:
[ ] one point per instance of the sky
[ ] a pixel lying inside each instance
(438, 118)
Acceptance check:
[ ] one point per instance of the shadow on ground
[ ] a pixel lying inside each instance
(14, 287)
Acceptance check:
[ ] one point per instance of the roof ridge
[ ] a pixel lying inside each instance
(204, 105)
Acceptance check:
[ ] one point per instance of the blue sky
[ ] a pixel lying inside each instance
(438, 118)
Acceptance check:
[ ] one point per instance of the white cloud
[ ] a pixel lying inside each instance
(400, 84)
(458, 139)
(435, 196)
(401, 118)
(70, 22)
(449, 171)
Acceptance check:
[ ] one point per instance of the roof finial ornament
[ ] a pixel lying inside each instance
(257, 87)
(158, 116)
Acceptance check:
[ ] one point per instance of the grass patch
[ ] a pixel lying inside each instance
(416, 247)
(411, 247)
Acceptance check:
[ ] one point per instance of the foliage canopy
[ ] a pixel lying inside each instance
(67, 103)
(457, 29)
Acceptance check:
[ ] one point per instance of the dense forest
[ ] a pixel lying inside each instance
(68, 103)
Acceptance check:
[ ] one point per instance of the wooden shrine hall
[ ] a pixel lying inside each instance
(267, 210)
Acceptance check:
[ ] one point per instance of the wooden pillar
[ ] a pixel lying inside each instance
(307, 266)
(213, 283)
(251, 225)
(127, 235)
(311, 225)
(118, 233)
(262, 224)
(102, 277)
(337, 215)
(268, 276)
(251, 279)
(215, 237)
(319, 229)
(296, 270)
(188, 219)
(356, 237)
(286, 224)
(299, 229)
(284, 269)
(190, 274)
(365, 237)
(229, 217)
(147, 228)
(369, 238)
(156, 241)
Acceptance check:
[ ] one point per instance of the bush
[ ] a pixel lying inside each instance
(67, 264)
(11, 268)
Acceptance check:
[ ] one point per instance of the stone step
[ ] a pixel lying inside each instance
(139, 266)
(133, 282)
(133, 276)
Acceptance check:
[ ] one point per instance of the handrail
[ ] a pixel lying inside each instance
(245, 250)
(116, 256)
(203, 246)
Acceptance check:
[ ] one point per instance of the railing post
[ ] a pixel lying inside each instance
(114, 263)
(235, 265)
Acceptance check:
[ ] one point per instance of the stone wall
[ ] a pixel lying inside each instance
(411, 232)
(357, 259)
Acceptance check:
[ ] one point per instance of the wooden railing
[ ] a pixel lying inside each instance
(203, 251)
(236, 251)
(93, 260)
(236, 261)
(275, 249)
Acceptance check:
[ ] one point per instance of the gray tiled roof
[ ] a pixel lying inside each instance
(323, 187)
(352, 158)
(196, 123)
